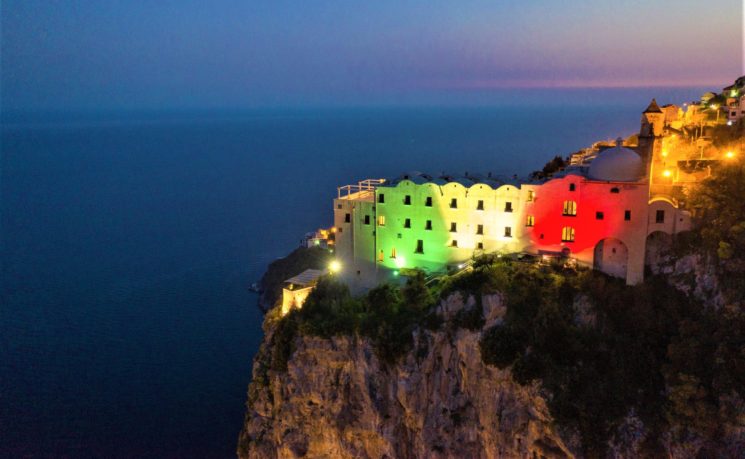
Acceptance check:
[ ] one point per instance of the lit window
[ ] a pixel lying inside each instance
(381, 220)
(407, 200)
(393, 252)
(428, 226)
(480, 205)
(367, 219)
(530, 221)
(570, 208)
(381, 198)
(347, 218)
(381, 255)
(507, 231)
(508, 207)
(479, 229)
(531, 195)
(660, 216)
(454, 243)
(428, 201)
(454, 203)
(407, 223)
(419, 246)
(599, 215)
(567, 234)
(453, 227)
(627, 215)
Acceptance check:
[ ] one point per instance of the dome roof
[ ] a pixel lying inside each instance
(617, 164)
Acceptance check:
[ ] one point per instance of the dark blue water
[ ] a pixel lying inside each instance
(129, 240)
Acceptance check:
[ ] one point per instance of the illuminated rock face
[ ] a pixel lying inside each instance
(432, 224)
(337, 400)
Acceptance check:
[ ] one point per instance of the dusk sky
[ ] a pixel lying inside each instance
(186, 54)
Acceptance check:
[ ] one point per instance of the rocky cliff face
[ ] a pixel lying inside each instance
(336, 399)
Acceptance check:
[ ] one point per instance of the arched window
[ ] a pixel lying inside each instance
(530, 221)
(393, 252)
(567, 234)
(570, 208)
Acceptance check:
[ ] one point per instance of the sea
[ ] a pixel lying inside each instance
(129, 240)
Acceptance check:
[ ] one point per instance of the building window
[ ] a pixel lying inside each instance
(339, 229)
(338, 206)
(567, 234)
(480, 205)
(570, 208)
(572, 187)
(407, 200)
(454, 203)
(407, 223)
(454, 243)
(419, 246)
(453, 227)
(660, 216)
(615, 190)
(347, 218)
(367, 219)
(627, 215)
(381, 255)
(531, 195)
(599, 215)
(381, 198)
(530, 221)
(428, 201)
(507, 231)
(480, 246)
(479, 229)
(428, 226)
(381, 220)
(508, 206)
(393, 252)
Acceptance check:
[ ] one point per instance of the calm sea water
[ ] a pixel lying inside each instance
(129, 241)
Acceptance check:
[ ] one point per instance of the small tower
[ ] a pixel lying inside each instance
(653, 121)
(650, 133)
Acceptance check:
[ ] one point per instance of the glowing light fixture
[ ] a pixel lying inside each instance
(729, 155)
(400, 262)
(664, 153)
(667, 173)
(335, 266)
(395, 273)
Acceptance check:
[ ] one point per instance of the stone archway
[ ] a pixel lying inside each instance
(611, 257)
(656, 249)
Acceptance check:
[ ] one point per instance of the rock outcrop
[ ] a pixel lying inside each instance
(336, 399)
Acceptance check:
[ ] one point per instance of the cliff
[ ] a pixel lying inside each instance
(337, 399)
(519, 359)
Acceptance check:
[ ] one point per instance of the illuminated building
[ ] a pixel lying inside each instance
(598, 211)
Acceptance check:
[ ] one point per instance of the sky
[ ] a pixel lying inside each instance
(130, 54)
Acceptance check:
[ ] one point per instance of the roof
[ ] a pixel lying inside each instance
(616, 164)
(653, 107)
(307, 277)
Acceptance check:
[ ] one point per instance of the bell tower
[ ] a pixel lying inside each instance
(650, 133)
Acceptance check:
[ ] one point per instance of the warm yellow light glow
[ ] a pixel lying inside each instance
(730, 154)
(335, 266)
(715, 106)
(664, 153)
(400, 262)
(667, 173)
